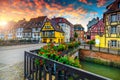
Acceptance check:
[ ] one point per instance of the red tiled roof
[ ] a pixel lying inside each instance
(55, 24)
(95, 26)
(62, 20)
(36, 22)
(38, 19)
(113, 6)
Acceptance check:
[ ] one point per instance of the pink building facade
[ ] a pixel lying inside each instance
(96, 29)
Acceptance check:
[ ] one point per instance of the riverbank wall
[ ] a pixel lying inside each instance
(100, 58)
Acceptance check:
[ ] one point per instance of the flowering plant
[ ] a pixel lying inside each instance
(54, 52)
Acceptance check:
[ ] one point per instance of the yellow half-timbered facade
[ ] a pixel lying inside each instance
(111, 38)
(51, 32)
(112, 25)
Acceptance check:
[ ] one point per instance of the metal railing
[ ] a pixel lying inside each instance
(53, 70)
(100, 49)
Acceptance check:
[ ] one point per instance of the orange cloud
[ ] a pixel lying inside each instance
(19, 9)
(101, 3)
(84, 1)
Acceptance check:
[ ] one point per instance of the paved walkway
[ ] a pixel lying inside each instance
(14, 72)
(11, 60)
(19, 46)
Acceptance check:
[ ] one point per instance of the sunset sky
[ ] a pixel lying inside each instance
(76, 11)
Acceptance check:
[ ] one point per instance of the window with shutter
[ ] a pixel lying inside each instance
(114, 43)
(113, 29)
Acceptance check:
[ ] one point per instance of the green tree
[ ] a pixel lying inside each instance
(75, 35)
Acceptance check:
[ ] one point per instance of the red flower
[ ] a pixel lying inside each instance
(41, 52)
(60, 52)
(41, 62)
(52, 45)
(45, 47)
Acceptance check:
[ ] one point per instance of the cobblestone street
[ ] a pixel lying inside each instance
(14, 72)
(12, 59)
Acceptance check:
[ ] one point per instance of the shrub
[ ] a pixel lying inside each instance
(70, 45)
(63, 59)
(55, 48)
(53, 52)
(61, 47)
(91, 42)
(76, 44)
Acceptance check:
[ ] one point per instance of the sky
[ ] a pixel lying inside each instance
(75, 11)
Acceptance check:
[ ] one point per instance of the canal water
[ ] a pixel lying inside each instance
(110, 72)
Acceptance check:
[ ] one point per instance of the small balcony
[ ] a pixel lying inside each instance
(47, 36)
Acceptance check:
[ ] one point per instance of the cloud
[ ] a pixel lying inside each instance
(19, 9)
(84, 1)
(101, 3)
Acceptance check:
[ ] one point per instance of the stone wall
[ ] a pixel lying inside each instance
(100, 57)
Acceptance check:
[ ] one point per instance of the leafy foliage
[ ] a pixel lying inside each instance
(53, 52)
(75, 35)
(61, 47)
(91, 42)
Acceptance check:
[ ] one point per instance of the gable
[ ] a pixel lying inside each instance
(114, 5)
(47, 26)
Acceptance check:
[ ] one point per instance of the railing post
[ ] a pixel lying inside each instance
(84, 46)
(25, 65)
(118, 51)
(56, 75)
(50, 73)
(44, 72)
(108, 49)
(90, 46)
(40, 72)
(99, 47)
